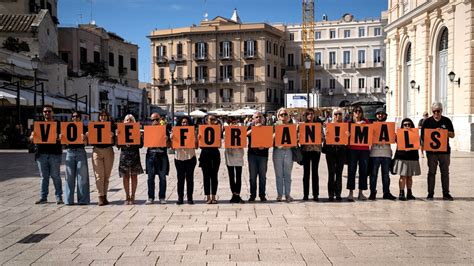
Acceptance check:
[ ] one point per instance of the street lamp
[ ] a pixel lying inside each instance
(452, 75)
(34, 65)
(413, 84)
(172, 66)
(285, 81)
(90, 79)
(307, 66)
(188, 82)
(331, 93)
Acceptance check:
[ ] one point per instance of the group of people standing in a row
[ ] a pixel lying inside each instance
(366, 159)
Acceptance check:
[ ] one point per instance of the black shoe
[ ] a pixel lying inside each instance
(59, 202)
(331, 199)
(389, 196)
(447, 196)
(305, 198)
(252, 199)
(338, 198)
(411, 197)
(190, 202)
(263, 199)
(430, 196)
(180, 201)
(41, 201)
(233, 199)
(239, 199)
(316, 198)
(372, 195)
(402, 197)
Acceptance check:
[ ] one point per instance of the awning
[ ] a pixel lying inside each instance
(10, 97)
(27, 99)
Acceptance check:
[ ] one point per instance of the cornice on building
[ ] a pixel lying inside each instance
(408, 17)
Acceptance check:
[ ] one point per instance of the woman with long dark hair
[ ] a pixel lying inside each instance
(311, 156)
(185, 162)
(209, 161)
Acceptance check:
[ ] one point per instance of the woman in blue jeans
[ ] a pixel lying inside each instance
(283, 161)
(77, 171)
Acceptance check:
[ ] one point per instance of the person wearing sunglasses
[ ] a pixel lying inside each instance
(358, 155)
(380, 156)
(185, 163)
(335, 158)
(258, 161)
(157, 163)
(48, 158)
(234, 160)
(209, 161)
(406, 164)
(435, 158)
(311, 156)
(77, 170)
(283, 161)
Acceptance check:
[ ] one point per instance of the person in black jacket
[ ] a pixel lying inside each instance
(209, 161)
(406, 164)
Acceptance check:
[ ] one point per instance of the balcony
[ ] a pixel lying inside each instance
(180, 58)
(251, 99)
(250, 55)
(161, 82)
(160, 60)
(179, 100)
(162, 101)
(201, 100)
(226, 80)
(225, 57)
(227, 100)
(292, 68)
(331, 66)
(200, 57)
(178, 82)
(123, 71)
(252, 79)
(379, 64)
(201, 80)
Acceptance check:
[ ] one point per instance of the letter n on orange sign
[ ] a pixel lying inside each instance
(361, 134)
(408, 139)
(336, 134)
(155, 136)
(45, 132)
(384, 132)
(310, 133)
(183, 137)
(435, 140)
(100, 133)
(71, 133)
(128, 133)
(262, 137)
(285, 135)
(209, 136)
(235, 137)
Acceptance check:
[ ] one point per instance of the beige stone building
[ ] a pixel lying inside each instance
(231, 64)
(426, 41)
(349, 60)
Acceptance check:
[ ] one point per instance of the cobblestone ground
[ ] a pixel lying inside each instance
(297, 233)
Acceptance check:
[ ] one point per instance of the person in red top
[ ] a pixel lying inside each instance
(357, 155)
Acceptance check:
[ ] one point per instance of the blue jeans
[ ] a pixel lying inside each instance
(157, 164)
(257, 166)
(77, 170)
(283, 164)
(360, 157)
(48, 165)
(383, 162)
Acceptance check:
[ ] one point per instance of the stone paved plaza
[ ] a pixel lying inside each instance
(297, 233)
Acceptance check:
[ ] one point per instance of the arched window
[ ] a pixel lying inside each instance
(442, 86)
(443, 42)
(407, 68)
(408, 55)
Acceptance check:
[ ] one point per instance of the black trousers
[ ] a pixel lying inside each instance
(335, 163)
(185, 173)
(311, 164)
(235, 178)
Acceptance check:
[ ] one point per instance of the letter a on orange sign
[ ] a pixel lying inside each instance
(209, 136)
(435, 140)
(235, 137)
(336, 134)
(155, 136)
(45, 132)
(310, 133)
(183, 137)
(408, 139)
(128, 133)
(285, 135)
(384, 132)
(262, 137)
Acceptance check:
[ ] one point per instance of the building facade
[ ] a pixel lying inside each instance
(427, 40)
(349, 60)
(231, 65)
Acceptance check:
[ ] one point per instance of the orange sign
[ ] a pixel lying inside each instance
(361, 134)
(45, 132)
(261, 137)
(408, 139)
(435, 140)
(336, 134)
(235, 137)
(128, 133)
(100, 133)
(209, 136)
(71, 132)
(285, 136)
(310, 133)
(183, 137)
(155, 136)
(384, 132)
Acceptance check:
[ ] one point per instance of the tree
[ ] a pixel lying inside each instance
(14, 45)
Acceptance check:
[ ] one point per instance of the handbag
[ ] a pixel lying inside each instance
(297, 154)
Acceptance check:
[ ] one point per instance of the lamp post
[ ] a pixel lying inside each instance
(285, 81)
(452, 77)
(188, 82)
(34, 65)
(90, 79)
(331, 93)
(307, 66)
(172, 66)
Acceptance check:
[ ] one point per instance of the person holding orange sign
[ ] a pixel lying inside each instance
(234, 160)
(185, 162)
(257, 161)
(209, 161)
(406, 164)
(129, 165)
(443, 158)
(283, 161)
(311, 156)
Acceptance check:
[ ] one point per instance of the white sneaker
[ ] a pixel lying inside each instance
(150, 201)
(162, 201)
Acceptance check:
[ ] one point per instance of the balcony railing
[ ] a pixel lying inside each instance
(180, 58)
(201, 100)
(226, 80)
(250, 55)
(160, 60)
(179, 81)
(223, 56)
(227, 100)
(179, 100)
(251, 99)
(292, 67)
(200, 57)
(161, 82)
(162, 101)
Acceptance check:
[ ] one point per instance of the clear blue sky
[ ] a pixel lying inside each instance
(135, 19)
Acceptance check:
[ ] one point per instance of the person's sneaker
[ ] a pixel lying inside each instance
(251, 199)
(389, 196)
(447, 196)
(162, 201)
(288, 198)
(263, 198)
(372, 195)
(41, 201)
(279, 198)
(59, 201)
(430, 196)
(150, 201)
